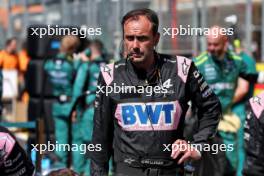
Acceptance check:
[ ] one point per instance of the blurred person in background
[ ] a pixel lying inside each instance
(86, 80)
(8, 61)
(221, 69)
(61, 75)
(242, 94)
(23, 59)
(77, 56)
(8, 56)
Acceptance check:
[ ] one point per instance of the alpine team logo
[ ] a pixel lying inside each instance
(257, 105)
(185, 67)
(148, 116)
(107, 70)
(108, 73)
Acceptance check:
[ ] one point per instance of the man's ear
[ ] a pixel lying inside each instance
(156, 38)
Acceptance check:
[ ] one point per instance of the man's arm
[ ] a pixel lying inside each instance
(209, 107)
(241, 90)
(102, 132)
(209, 113)
(248, 74)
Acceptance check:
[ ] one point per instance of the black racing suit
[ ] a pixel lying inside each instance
(136, 127)
(254, 137)
(13, 159)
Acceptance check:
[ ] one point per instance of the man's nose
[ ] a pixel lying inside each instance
(210, 47)
(135, 43)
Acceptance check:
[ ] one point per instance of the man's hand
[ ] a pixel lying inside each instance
(182, 147)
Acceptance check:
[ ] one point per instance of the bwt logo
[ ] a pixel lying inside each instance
(130, 114)
(148, 116)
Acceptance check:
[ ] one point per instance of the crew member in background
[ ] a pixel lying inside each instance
(86, 80)
(61, 75)
(23, 59)
(8, 56)
(242, 94)
(221, 69)
(8, 61)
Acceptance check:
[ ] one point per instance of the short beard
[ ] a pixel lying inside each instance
(217, 56)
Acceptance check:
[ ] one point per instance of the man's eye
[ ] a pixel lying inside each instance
(142, 38)
(130, 38)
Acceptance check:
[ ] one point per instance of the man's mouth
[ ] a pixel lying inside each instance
(136, 55)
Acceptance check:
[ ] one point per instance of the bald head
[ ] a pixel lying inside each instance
(217, 41)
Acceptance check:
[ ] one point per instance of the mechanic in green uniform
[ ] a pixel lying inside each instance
(243, 92)
(60, 72)
(86, 80)
(221, 69)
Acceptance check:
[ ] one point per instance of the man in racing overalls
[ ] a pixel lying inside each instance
(254, 137)
(13, 159)
(146, 110)
(221, 69)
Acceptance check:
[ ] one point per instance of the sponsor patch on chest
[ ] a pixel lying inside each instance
(210, 72)
(148, 116)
